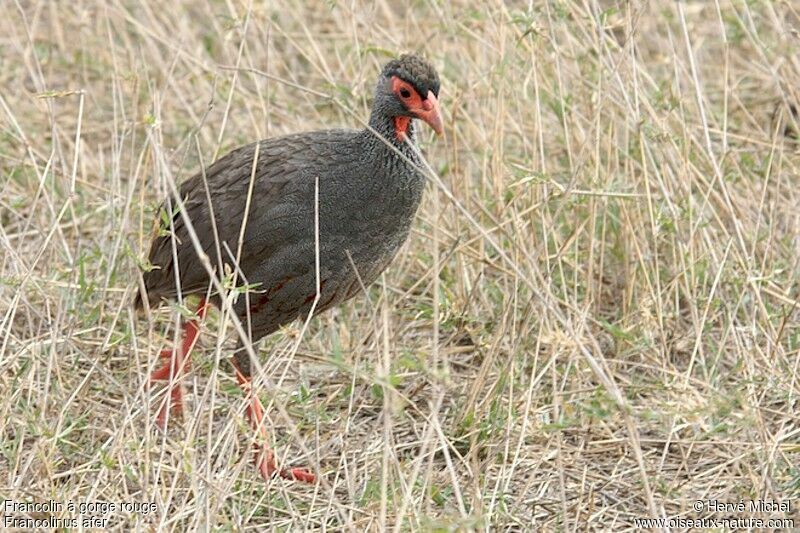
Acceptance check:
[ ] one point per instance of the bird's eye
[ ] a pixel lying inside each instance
(405, 93)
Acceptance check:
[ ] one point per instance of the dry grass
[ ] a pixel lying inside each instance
(606, 328)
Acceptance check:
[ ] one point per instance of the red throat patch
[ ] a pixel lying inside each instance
(401, 127)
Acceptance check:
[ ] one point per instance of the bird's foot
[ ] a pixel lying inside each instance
(265, 464)
(178, 363)
(173, 370)
(265, 459)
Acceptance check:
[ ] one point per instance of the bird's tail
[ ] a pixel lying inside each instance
(143, 297)
(138, 303)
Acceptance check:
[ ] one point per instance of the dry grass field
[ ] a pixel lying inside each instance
(595, 319)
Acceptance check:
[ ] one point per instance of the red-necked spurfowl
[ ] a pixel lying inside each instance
(369, 187)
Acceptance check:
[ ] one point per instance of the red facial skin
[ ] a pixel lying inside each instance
(426, 109)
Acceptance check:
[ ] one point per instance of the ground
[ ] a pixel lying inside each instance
(594, 321)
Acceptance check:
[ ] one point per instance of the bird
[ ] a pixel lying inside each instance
(303, 221)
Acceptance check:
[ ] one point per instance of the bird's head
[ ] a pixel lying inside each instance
(409, 88)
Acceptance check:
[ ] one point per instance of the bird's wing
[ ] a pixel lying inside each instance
(285, 170)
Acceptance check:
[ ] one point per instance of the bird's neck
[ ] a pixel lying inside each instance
(393, 129)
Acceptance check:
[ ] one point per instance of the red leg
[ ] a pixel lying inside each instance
(176, 366)
(265, 459)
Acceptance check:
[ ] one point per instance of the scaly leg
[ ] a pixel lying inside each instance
(265, 459)
(178, 363)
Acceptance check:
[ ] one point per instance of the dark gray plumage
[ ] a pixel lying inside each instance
(368, 196)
